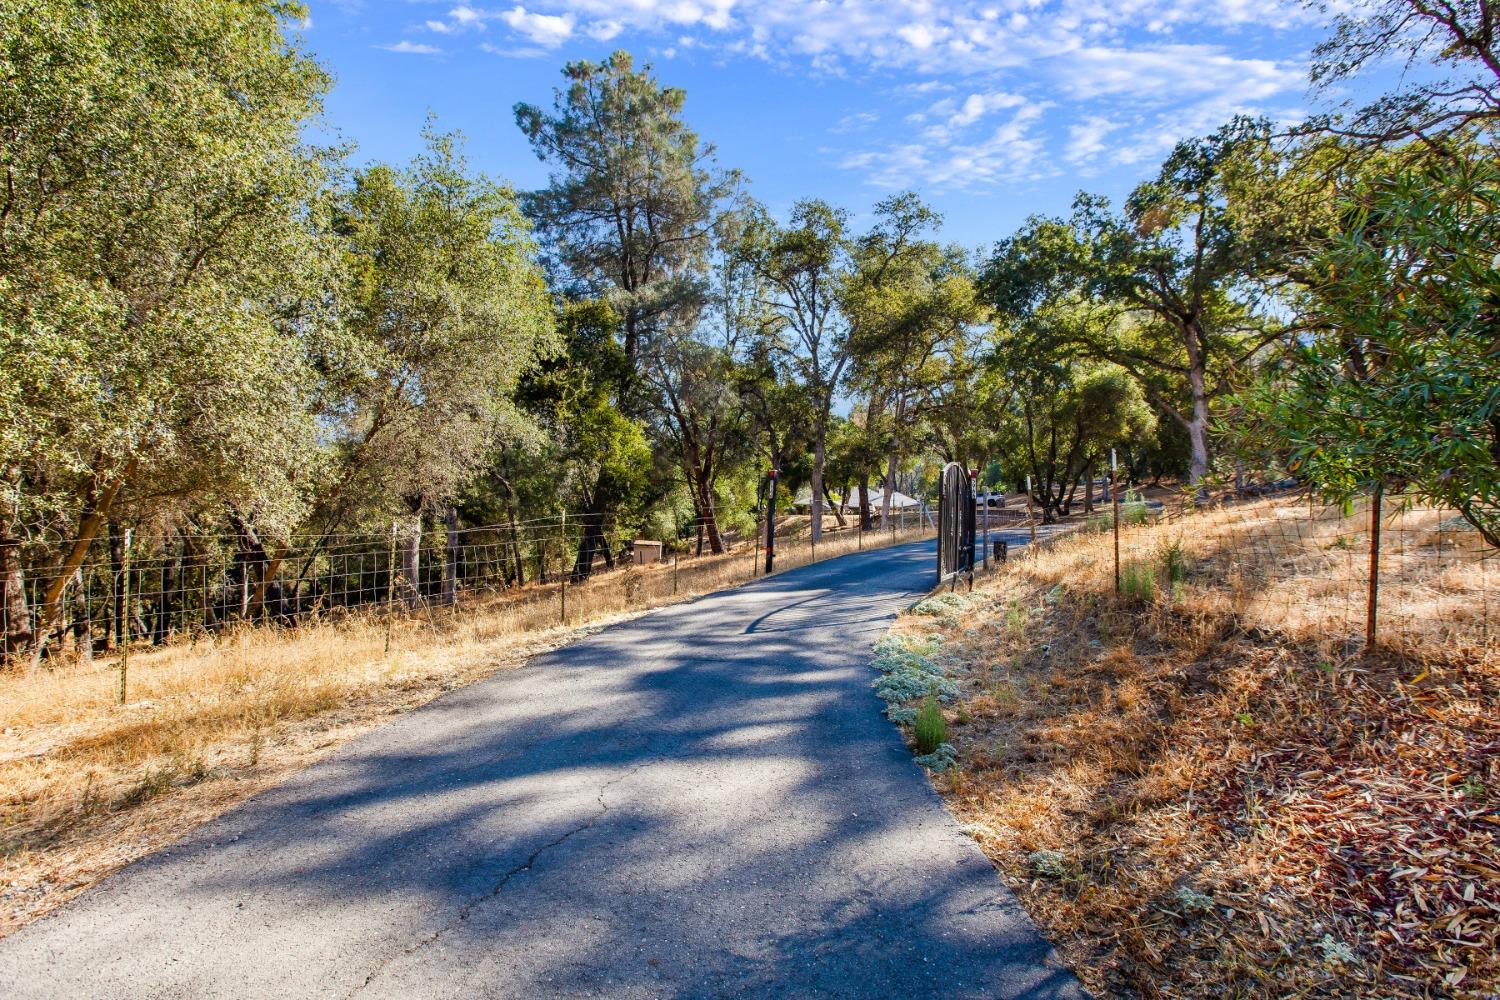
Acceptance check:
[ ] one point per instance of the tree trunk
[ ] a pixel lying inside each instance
(838, 513)
(98, 511)
(83, 626)
(450, 565)
(15, 619)
(865, 524)
(515, 536)
(820, 459)
(1197, 427)
(170, 570)
(591, 544)
(515, 548)
(890, 488)
(411, 562)
(703, 500)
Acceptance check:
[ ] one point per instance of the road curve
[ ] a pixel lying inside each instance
(702, 802)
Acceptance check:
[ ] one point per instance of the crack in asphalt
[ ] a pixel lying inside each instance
(470, 906)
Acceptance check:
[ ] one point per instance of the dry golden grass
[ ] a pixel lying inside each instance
(1237, 799)
(88, 785)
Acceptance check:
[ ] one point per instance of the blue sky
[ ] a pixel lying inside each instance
(992, 110)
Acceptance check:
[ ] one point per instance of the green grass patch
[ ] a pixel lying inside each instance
(931, 728)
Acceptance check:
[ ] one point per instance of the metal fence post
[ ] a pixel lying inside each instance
(390, 590)
(563, 543)
(771, 522)
(971, 505)
(1030, 519)
(125, 618)
(1114, 492)
(1373, 600)
(986, 560)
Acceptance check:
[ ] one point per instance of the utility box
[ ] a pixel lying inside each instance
(646, 553)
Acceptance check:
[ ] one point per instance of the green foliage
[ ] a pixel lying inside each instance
(1065, 417)
(1401, 383)
(1048, 863)
(1138, 581)
(627, 212)
(930, 729)
(943, 757)
(909, 670)
(1155, 284)
(803, 265)
(1131, 515)
(445, 311)
(161, 261)
(940, 604)
(1173, 563)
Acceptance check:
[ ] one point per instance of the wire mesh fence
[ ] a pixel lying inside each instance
(135, 588)
(1401, 574)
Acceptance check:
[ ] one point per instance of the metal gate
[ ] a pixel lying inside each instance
(955, 554)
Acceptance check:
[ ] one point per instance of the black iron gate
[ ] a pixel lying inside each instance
(955, 553)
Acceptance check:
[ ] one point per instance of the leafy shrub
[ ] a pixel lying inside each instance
(1173, 562)
(1192, 901)
(1047, 863)
(931, 727)
(907, 685)
(940, 759)
(908, 670)
(1138, 581)
(1131, 514)
(939, 604)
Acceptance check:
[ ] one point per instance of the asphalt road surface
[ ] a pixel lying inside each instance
(703, 802)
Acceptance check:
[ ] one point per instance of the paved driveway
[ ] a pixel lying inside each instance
(703, 802)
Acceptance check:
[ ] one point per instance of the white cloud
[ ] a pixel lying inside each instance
(921, 88)
(856, 122)
(1010, 151)
(547, 30)
(1094, 81)
(1176, 71)
(603, 31)
(918, 36)
(412, 48)
(467, 16)
(1086, 138)
(977, 106)
(514, 51)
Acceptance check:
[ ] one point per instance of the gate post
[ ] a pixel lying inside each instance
(955, 550)
(971, 507)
